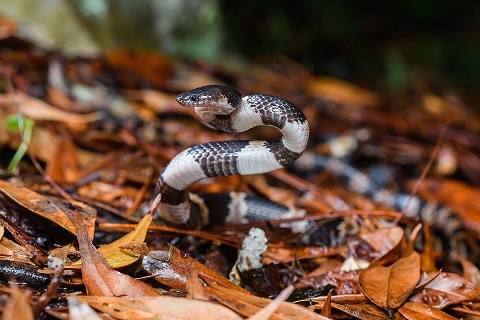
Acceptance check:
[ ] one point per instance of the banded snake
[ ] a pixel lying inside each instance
(224, 108)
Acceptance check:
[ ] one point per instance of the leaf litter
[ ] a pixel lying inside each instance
(102, 143)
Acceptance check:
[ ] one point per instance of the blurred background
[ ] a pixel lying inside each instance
(389, 46)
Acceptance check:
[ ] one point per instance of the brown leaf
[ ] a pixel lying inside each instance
(17, 306)
(385, 241)
(446, 289)
(7, 28)
(141, 65)
(389, 287)
(327, 308)
(422, 311)
(162, 307)
(367, 311)
(470, 270)
(461, 197)
(340, 91)
(247, 304)
(40, 110)
(115, 254)
(173, 268)
(47, 208)
(98, 277)
(81, 310)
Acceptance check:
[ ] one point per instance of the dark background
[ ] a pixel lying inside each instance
(387, 45)
(390, 43)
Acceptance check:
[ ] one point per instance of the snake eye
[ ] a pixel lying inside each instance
(193, 97)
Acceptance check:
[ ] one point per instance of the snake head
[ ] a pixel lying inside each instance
(210, 101)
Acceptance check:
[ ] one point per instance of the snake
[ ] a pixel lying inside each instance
(225, 108)
(437, 215)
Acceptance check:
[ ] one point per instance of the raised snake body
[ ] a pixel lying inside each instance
(224, 108)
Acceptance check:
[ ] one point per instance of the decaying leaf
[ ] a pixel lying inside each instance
(389, 287)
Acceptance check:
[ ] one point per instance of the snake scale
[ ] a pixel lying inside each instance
(224, 108)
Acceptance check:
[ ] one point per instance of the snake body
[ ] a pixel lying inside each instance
(439, 216)
(224, 108)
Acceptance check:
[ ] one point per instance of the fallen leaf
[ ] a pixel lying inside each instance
(39, 110)
(446, 289)
(172, 267)
(367, 311)
(386, 241)
(81, 310)
(49, 208)
(162, 307)
(248, 304)
(115, 254)
(98, 277)
(17, 306)
(340, 91)
(417, 310)
(389, 287)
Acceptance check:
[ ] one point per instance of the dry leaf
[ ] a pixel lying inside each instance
(47, 208)
(81, 310)
(247, 304)
(340, 91)
(172, 267)
(17, 306)
(386, 241)
(162, 307)
(39, 110)
(98, 277)
(389, 287)
(417, 310)
(367, 311)
(446, 289)
(470, 270)
(114, 252)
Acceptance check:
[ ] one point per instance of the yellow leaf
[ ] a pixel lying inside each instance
(113, 252)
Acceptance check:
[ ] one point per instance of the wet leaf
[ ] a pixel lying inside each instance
(445, 290)
(389, 287)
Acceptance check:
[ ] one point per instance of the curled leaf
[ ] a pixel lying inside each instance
(389, 287)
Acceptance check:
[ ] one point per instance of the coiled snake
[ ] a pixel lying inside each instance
(225, 108)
